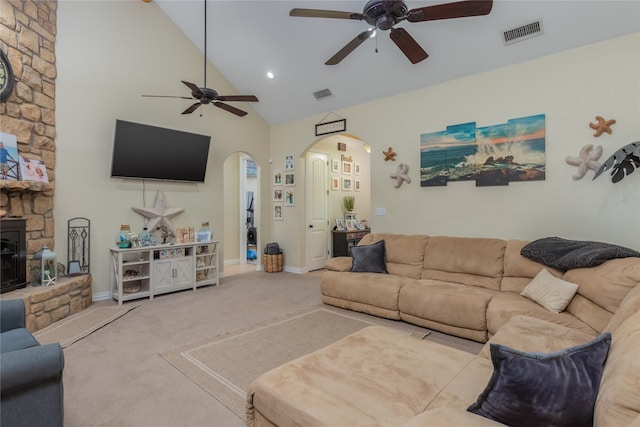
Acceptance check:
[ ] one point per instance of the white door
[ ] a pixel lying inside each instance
(317, 211)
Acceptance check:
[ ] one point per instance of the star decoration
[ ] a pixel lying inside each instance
(602, 126)
(158, 216)
(389, 155)
(587, 159)
(401, 175)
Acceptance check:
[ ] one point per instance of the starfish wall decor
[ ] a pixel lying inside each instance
(389, 154)
(158, 217)
(602, 126)
(401, 175)
(587, 159)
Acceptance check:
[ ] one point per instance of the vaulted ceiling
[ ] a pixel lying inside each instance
(247, 39)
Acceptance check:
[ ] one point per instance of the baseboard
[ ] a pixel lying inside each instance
(231, 261)
(295, 270)
(100, 296)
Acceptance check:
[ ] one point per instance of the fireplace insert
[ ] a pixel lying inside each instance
(13, 255)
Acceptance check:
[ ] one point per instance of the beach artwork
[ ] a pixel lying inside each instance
(490, 155)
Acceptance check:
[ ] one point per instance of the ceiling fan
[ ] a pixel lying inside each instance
(384, 14)
(206, 95)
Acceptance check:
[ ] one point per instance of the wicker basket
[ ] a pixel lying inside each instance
(272, 263)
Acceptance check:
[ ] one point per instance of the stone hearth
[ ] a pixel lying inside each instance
(46, 305)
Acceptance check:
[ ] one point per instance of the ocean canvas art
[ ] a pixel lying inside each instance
(490, 155)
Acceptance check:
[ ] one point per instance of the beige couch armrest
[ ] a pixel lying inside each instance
(526, 333)
(448, 417)
(341, 263)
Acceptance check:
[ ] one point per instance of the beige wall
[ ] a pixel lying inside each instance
(571, 88)
(108, 55)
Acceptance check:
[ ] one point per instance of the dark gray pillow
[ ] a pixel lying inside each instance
(537, 389)
(369, 258)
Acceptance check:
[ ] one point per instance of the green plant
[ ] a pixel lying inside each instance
(349, 203)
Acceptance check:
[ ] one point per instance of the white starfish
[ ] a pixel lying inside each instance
(401, 175)
(587, 159)
(158, 216)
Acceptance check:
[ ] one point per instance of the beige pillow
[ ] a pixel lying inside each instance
(552, 293)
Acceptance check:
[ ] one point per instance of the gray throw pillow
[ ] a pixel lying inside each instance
(369, 258)
(538, 389)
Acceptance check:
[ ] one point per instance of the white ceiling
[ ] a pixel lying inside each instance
(245, 39)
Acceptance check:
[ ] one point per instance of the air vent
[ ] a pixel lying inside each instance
(322, 94)
(523, 32)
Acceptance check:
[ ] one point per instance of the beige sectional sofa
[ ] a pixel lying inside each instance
(468, 287)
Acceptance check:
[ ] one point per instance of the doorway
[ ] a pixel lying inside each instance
(317, 210)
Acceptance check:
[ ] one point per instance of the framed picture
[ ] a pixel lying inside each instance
(10, 149)
(277, 177)
(351, 225)
(346, 184)
(356, 185)
(335, 165)
(335, 183)
(350, 217)
(356, 168)
(289, 179)
(203, 236)
(339, 224)
(33, 170)
(74, 268)
(347, 168)
(361, 226)
(277, 211)
(289, 197)
(278, 194)
(288, 163)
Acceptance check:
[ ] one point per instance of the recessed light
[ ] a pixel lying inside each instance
(270, 75)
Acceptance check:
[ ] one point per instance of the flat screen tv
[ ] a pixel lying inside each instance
(149, 152)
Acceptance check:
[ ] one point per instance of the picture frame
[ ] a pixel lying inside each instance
(351, 225)
(339, 224)
(347, 167)
(350, 217)
(335, 166)
(346, 184)
(289, 197)
(277, 177)
(73, 268)
(289, 163)
(10, 144)
(203, 236)
(335, 183)
(356, 185)
(278, 194)
(277, 212)
(361, 226)
(289, 179)
(356, 168)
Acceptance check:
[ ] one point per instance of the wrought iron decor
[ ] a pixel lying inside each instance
(78, 244)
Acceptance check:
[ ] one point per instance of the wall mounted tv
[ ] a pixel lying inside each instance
(149, 152)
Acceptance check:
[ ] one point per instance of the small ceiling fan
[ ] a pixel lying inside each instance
(206, 95)
(384, 14)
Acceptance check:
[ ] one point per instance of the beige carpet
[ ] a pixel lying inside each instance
(77, 326)
(225, 365)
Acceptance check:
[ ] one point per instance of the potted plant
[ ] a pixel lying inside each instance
(349, 203)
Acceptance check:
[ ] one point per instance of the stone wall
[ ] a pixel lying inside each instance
(28, 36)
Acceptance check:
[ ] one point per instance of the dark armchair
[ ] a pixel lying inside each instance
(31, 392)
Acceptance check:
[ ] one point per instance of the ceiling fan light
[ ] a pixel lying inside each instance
(373, 33)
(270, 75)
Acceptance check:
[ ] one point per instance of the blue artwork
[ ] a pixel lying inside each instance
(490, 155)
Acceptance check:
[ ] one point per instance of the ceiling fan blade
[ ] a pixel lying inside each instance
(349, 47)
(243, 98)
(195, 89)
(191, 109)
(316, 13)
(166, 96)
(408, 45)
(458, 9)
(229, 108)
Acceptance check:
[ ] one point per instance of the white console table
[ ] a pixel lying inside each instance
(143, 272)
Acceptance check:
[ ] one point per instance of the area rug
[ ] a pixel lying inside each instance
(225, 365)
(77, 326)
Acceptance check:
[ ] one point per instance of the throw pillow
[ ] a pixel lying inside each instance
(369, 258)
(552, 293)
(537, 389)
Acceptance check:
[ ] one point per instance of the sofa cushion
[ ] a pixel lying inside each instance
(369, 258)
(519, 270)
(466, 260)
(629, 306)
(618, 403)
(552, 293)
(543, 389)
(16, 339)
(404, 252)
(341, 263)
(447, 417)
(505, 305)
